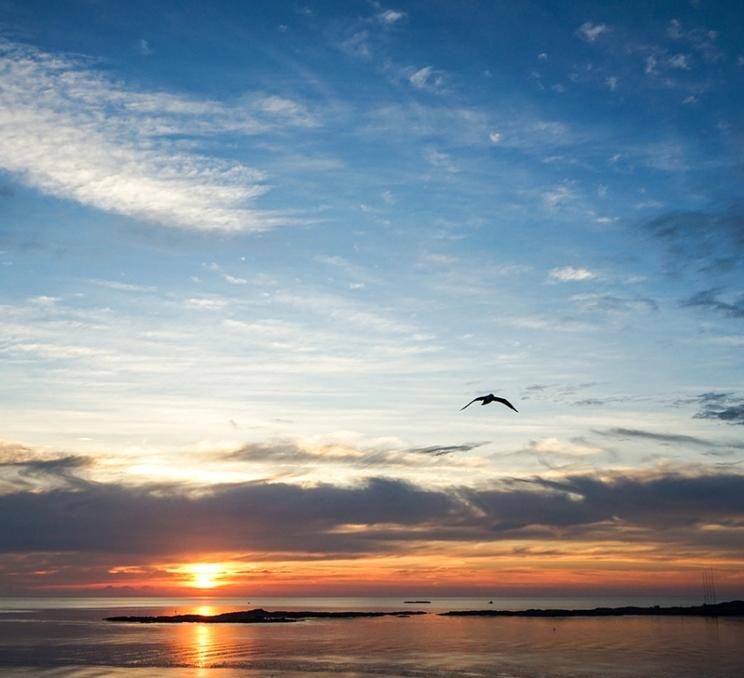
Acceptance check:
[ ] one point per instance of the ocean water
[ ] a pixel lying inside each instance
(68, 638)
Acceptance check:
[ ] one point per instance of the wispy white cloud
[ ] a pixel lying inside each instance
(208, 303)
(558, 196)
(123, 287)
(44, 300)
(337, 309)
(357, 45)
(441, 160)
(390, 16)
(681, 61)
(520, 128)
(436, 259)
(72, 133)
(232, 279)
(418, 78)
(609, 303)
(287, 110)
(590, 31)
(57, 351)
(358, 276)
(570, 273)
(426, 78)
(669, 156)
(690, 49)
(674, 30)
(143, 47)
(546, 323)
(701, 39)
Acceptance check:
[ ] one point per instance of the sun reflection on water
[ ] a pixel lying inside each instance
(202, 645)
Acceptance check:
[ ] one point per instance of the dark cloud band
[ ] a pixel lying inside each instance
(380, 515)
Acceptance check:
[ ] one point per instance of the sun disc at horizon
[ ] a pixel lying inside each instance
(205, 575)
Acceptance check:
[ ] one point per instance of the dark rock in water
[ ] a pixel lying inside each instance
(734, 608)
(257, 616)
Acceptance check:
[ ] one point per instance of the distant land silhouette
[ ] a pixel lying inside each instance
(258, 616)
(734, 608)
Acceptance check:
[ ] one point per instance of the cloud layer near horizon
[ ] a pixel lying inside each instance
(675, 513)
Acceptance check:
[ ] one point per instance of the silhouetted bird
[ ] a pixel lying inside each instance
(491, 398)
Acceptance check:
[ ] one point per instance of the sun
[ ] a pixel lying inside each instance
(204, 575)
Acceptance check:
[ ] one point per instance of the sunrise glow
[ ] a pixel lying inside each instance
(203, 575)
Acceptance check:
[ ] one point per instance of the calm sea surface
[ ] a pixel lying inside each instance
(67, 637)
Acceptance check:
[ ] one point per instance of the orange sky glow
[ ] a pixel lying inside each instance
(542, 572)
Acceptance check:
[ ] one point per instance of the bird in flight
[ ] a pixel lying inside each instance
(491, 398)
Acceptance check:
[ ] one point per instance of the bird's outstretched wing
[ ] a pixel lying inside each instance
(472, 401)
(504, 401)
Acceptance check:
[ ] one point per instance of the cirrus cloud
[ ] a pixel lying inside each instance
(571, 273)
(70, 132)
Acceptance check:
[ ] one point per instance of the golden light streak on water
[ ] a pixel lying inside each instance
(202, 645)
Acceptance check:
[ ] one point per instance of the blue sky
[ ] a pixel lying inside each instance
(325, 226)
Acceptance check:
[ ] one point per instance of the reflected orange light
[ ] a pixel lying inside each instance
(202, 645)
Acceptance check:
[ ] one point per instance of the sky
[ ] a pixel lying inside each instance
(255, 257)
